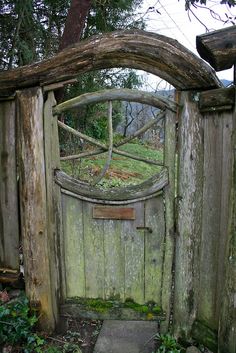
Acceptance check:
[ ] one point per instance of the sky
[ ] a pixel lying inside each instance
(169, 18)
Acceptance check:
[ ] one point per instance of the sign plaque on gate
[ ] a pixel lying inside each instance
(111, 212)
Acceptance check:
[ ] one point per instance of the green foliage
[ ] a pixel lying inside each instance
(168, 344)
(16, 326)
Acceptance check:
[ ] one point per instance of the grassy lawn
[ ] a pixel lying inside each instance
(122, 171)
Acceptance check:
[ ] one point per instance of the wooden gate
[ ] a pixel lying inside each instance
(114, 241)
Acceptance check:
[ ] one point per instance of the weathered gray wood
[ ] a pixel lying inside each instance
(123, 94)
(154, 249)
(33, 204)
(211, 220)
(54, 213)
(227, 325)
(169, 195)
(134, 242)
(218, 48)
(189, 216)
(9, 213)
(92, 141)
(109, 202)
(93, 253)
(217, 99)
(147, 188)
(114, 261)
(137, 49)
(74, 247)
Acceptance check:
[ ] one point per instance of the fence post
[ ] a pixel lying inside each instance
(189, 197)
(33, 204)
(9, 213)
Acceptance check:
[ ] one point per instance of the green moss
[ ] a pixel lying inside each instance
(101, 306)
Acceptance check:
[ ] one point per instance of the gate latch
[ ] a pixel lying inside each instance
(148, 229)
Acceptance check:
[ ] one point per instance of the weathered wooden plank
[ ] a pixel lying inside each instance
(112, 212)
(54, 213)
(218, 48)
(147, 188)
(169, 196)
(189, 215)
(93, 253)
(154, 249)
(32, 203)
(122, 94)
(226, 185)
(74, 247)
(227, 325)
(211, 219)
(217, 99)
(114, 260)
(9, 229)
(134, 255)
(159, 55)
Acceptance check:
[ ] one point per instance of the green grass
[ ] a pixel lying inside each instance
(123, 171)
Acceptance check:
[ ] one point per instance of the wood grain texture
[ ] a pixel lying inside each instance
(74, 251)
(154, 249)
(218, 48)
(134, 242)
(122, 94)
(227, 324)
(53, 192)
(93, 253)
(211, 220)
(9, 213)
(189, 215)
(135, 192)
(217, 99)
(106, 212)
(114, 260)
(33, 203)
(169, 197)
(159, 55)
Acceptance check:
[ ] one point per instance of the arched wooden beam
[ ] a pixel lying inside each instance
(157, 54)
(124, 94)
(115, 195)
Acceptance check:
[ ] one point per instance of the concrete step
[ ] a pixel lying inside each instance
(126, 337)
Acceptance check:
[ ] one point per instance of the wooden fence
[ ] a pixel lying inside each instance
(199, 216)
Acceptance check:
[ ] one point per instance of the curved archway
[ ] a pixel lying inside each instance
(157, 54)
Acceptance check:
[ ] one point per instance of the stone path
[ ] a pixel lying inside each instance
(126, 337)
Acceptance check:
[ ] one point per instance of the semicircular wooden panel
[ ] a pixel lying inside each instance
(133, 193)
(157, 54)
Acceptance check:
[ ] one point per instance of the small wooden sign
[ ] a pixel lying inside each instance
(111, 212)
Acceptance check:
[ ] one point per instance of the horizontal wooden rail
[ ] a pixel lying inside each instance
(132, 193)
(124, 94)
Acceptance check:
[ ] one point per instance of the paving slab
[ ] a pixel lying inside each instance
(126, 337)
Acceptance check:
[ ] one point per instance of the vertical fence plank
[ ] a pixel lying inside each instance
(134, 256)
(53, 193)
(227, 324)
(169, 195)
(213, 143)
(94, 253)
(9, 215)
(114, 260)
(74, 246)
(189, 215)
(33, 203)
(154, 248)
